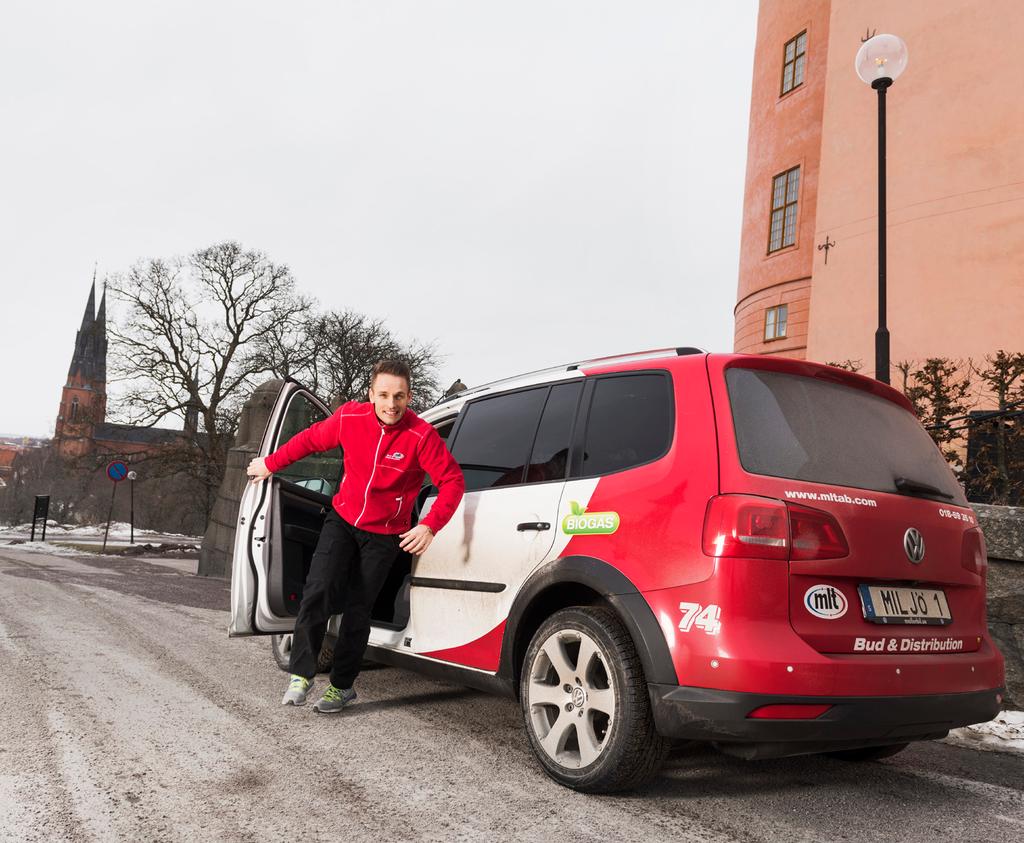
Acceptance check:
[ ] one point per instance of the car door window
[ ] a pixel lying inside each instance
(630, 423)
(492, 445)
(444, 430)
(316, 472)
(550, 457)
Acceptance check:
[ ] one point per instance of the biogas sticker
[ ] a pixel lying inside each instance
(825, 601)
(579, 522)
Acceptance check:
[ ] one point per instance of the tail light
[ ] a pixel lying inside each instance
(765, 528)
(973, 555)
(816, 534)
(737, 525)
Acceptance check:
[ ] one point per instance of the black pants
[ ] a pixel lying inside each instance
(349, 568)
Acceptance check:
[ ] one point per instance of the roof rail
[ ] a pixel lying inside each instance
(653, 354)
(681, 351)
(475, 389)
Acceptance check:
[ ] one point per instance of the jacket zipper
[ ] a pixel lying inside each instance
(399, 509)
(366, 494)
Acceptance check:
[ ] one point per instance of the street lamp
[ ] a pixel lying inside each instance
(880, 61)
(131, 519)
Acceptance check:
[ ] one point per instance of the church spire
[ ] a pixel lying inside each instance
(101, 314)
(90, 308)
(83, 402)
(89, 361)
(101, 338)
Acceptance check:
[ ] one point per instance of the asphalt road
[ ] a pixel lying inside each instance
(127, 713)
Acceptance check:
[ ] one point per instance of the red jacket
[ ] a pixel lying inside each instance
(384, 467)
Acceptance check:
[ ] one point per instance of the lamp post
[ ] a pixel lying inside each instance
(131, 518)
(880, 61)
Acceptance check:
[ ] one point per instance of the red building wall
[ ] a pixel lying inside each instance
(785, 132)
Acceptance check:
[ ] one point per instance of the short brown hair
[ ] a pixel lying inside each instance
(398, 368)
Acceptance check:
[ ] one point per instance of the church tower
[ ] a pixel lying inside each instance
(83, 402)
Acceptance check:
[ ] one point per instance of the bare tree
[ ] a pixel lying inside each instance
(939, 389)
(332, 354)
(999, 463)
(849, 365)
(914, 392)
(181, 348)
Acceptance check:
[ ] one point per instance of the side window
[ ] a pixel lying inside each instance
(494, 439)
(317, 472)
(630, 423)
(444, 430)
(550, 456)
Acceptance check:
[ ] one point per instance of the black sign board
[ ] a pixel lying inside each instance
(42, 510)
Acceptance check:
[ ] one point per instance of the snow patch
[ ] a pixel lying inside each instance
(1003, 734)
(118, 530)
(51, 549)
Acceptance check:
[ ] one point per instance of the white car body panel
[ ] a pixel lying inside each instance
(481, 543)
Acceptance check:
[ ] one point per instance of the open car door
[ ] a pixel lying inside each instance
(279, 522)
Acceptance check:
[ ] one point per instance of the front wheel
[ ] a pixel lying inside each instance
(585, 703)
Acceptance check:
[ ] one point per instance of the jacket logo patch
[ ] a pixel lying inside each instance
(397, 455)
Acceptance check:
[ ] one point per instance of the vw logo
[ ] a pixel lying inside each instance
(913, 544)
(578, 697)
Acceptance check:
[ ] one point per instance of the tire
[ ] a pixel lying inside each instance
(598, 736)
(868, 753)
(281, 645)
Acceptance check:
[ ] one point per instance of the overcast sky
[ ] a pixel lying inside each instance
(526, 183)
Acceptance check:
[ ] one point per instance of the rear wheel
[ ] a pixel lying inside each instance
(868, 753)
(585, 703)
(282, 648)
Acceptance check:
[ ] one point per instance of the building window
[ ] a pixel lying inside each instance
(74, 410)
(775, 322)
(785, 187)
(794, 58)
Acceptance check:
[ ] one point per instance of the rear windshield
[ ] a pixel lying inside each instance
(805, 429)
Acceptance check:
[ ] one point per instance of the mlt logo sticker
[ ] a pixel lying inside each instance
(582, 523)
(825, 601)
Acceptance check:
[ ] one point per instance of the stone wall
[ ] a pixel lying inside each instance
(219, 540)
(1003, 527)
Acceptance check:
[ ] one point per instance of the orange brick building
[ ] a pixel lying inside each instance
(955, 189)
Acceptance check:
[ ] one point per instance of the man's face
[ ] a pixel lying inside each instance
(390, 396)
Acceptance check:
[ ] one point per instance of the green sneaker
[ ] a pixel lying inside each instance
(334, 700)
(298, 688)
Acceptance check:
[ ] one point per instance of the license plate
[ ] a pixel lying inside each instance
(889, 604)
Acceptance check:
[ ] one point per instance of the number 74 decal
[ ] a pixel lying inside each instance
(702, 617)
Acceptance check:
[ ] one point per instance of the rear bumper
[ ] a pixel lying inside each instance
(708, 714)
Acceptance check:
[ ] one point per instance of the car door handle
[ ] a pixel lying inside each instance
(533, 525)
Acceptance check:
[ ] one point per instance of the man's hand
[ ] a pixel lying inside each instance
(258, 470)
(417, 540)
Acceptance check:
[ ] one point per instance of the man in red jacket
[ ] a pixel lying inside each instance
(387, 450)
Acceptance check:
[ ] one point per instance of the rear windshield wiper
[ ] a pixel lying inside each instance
(910, 487)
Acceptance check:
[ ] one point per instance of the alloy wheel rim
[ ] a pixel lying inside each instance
(571, 698)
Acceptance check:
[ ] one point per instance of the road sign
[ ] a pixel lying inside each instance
(117, 471)
(42, 510)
